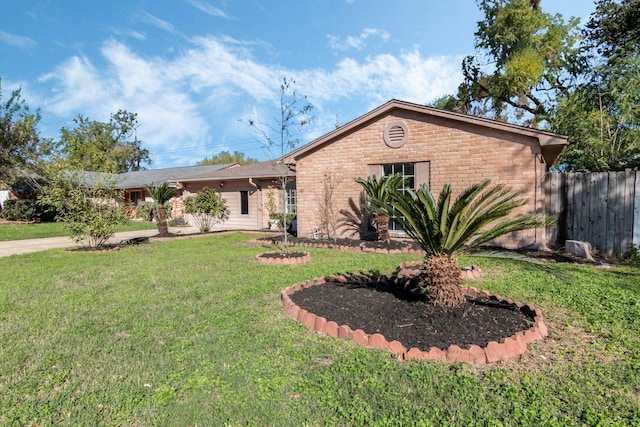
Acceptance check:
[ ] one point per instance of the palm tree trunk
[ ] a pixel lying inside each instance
(442, 280)
(382, 227)
(163, 227)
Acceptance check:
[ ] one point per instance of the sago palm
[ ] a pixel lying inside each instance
(444, 229)
(161, 194)
(378, 191)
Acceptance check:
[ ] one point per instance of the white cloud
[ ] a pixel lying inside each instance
(158, 23)
(356, 42)
(17, 41)
(207, 8)
(190, 103)
(380, 78)
(129, 33)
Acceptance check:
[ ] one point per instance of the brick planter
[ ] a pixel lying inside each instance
(292, 258)
(494, 351)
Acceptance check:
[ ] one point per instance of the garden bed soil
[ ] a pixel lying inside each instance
(407, 317)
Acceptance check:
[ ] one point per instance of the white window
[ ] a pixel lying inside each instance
(291, 205)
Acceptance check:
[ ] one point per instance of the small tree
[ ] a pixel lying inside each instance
(282, 135)
(444, 230)
(378, 191)
(161, 194)
(326, 207)
(208, 208)
(91, 211)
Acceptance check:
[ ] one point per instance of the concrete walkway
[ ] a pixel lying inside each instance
(16, 247)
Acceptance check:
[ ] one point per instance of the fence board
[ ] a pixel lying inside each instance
(600, 208)
(626, 228)
(636, 212)
(612, 215)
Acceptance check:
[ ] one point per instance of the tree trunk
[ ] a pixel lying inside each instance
(163, 227)
(382, 227)
(443, 281)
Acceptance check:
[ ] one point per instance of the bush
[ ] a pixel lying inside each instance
(207, 208)
(280, 217)
(144, 210)
(177, 222)
(91, 214)
(20, 210)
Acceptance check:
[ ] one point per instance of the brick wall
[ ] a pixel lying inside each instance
(459, 153)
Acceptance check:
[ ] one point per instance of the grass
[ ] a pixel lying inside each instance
(192, 332)
(55, 229)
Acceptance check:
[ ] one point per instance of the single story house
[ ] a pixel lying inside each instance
(427, 145)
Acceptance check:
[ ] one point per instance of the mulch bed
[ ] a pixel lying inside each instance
(406, 316)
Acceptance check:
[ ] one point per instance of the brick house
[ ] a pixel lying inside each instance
(245, 190)
(428, 146)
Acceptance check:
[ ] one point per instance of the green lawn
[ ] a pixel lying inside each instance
(192, 332)
(55, 229)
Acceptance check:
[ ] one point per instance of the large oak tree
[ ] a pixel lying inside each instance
(111, 146)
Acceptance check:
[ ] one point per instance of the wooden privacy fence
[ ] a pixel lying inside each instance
(600, 208)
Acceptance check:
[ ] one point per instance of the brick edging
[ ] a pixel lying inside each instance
(360, 248)
(284, 261)
(494, 351)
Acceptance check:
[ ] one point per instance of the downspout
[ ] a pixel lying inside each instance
(258, 188)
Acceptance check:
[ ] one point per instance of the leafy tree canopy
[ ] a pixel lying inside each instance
(21, 148)
(614, 27)
(602, 114)
(224, 157)
(524, 58)
(104, 147)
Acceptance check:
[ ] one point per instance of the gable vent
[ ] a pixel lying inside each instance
(396, 134)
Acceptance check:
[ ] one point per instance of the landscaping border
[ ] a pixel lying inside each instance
(265, 259)
(494, 351)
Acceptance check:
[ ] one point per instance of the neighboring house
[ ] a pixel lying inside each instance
(245, 190)
(133, 182)
(4, 196)
(428, 146)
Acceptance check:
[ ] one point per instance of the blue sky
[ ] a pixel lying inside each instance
(192, 69)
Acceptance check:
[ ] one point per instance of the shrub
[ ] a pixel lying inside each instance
(280, 218)
(177, 222)
(144, 210)
(28, 210)
(207, 208)
(90, 213)
(20, 210)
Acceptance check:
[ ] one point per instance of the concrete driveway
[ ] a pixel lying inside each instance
(16, 247)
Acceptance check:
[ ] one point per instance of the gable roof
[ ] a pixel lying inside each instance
(138, 179)
(551, 144)
(266, 169)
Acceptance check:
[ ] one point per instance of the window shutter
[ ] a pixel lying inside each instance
(375, 170)
(422, 171)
